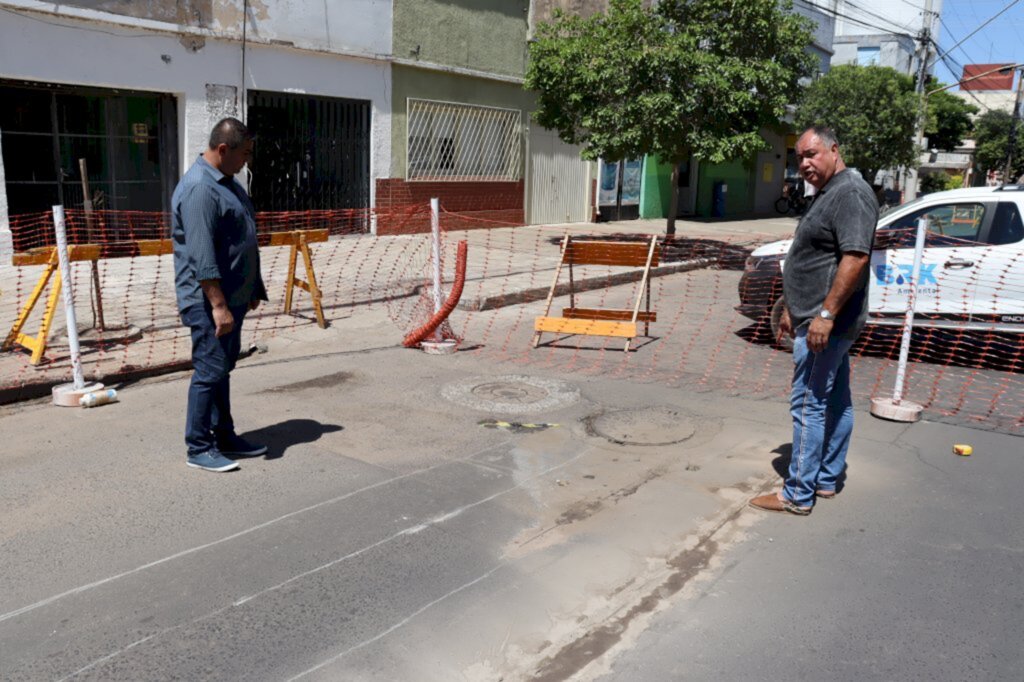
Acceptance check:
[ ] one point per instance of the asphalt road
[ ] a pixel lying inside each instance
(912, 573)
(389, 535)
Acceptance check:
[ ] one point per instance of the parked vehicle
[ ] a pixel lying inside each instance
(972, 271)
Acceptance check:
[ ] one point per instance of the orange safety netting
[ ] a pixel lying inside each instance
(699, 341)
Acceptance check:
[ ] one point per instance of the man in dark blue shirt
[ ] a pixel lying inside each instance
(825, 286)
(217, 280)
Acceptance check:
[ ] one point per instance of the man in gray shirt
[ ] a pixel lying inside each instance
(217, 280)
(825, 286)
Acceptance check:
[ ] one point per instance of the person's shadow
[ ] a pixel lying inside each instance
(785, 455)
(281, 436)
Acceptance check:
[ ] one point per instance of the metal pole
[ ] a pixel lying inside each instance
(90, 228)
(911, 187)
(69, 298)
(435, 242)
(908, 322)
(1012, 142)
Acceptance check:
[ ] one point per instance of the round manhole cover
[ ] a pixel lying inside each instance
(511, 394)
(643, 426)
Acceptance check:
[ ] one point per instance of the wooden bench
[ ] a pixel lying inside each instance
(601, 321)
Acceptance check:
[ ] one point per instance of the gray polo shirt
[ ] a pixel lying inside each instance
(213, 226)
(841, 218)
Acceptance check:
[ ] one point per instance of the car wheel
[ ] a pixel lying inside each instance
(786, 343)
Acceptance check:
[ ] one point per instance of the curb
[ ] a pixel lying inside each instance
(587, 284)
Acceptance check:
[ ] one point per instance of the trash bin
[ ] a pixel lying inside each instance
(718, 199)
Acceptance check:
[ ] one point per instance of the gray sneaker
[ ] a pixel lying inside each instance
(211, 460)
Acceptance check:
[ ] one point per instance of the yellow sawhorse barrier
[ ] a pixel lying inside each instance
(298, 240)
(601, 322)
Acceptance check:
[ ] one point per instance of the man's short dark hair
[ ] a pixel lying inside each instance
(827, 135)
(230, 131)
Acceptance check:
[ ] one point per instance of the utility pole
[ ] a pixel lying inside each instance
(910, 188)
(1007, 179)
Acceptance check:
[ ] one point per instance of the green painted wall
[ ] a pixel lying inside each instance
(410, 82)
(484, 35)
(655, 188)
(738, 197)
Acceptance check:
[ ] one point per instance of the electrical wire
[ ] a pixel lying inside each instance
(983, 25)
(854, 20)
(864, 10)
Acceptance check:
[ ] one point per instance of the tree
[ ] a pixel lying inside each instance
(949, 118)
(992, 137)
(684, 77)
(873, 110)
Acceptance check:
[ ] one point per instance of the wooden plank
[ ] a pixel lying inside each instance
(561, 325)
(551, 294)
(610, 253)
(293, 237)
(607, 314)
(150, 247)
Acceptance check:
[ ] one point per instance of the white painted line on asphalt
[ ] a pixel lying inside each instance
(406, 531)
(241, 533)
(397, 625)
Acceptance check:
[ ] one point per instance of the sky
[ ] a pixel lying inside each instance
(1002, 41)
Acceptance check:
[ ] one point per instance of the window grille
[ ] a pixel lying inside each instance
(449, 141)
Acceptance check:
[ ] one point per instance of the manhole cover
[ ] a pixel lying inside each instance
(643, 426)
(511, 394)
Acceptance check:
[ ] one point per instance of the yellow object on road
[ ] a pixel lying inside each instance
(963, 450)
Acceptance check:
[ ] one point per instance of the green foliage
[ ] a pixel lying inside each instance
(685, 76)
(940, 182)
(949, 119)
(992, 136)
(873, 110)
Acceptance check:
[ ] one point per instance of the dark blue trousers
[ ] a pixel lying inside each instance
(209, 393)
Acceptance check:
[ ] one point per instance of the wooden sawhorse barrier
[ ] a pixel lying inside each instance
(605, 321)
(298, 240)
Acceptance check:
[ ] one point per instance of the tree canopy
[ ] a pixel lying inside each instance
(992, 136)
(873, 110)
(949, 119)
(683, 77)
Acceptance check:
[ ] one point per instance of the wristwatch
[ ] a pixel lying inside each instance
(826, 315)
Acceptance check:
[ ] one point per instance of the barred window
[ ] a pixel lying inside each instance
(449, 141)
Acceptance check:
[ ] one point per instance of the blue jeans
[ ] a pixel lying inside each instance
(209, 393)
(822, 412)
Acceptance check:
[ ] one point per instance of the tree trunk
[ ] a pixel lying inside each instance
(673, 204)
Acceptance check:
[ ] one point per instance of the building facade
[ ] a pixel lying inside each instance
(134, 88)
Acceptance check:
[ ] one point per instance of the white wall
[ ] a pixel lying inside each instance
(353, 26)
(102, 55)
(889, 15)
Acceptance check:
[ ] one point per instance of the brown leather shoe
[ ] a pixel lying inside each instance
(773, 503)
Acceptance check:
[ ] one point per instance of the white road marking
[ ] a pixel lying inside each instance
(265, 524)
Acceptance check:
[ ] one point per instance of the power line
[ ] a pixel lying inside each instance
(854, 20)
(986, 23)
(864, 10)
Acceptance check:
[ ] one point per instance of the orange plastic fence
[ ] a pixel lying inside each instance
(700, 342)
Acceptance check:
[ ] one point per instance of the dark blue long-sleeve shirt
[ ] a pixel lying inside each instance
(213, 226)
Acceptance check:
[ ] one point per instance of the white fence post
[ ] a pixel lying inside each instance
(896, 408)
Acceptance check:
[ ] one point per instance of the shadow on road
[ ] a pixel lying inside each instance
(281, 436)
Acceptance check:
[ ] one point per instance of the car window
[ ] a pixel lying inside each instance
(1007, 226)
(948, 224)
